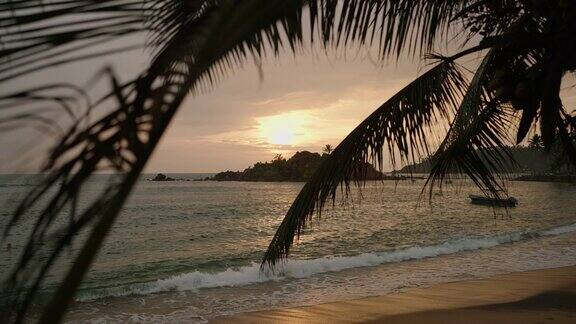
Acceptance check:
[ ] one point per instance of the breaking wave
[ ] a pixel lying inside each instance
(251, 274)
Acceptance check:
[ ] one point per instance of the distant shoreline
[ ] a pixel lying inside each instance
(384, 177)
(374, 177)
(547, 178)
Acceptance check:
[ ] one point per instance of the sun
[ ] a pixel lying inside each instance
(283, 129)
(284, 136)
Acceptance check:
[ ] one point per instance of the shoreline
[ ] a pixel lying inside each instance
(547, 178)
(536, 296)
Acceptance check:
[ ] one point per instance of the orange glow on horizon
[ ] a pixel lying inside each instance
(285, 129)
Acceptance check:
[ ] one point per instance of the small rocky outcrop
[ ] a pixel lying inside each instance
(162, 177)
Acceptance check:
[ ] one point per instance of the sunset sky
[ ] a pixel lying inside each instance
(303, 102)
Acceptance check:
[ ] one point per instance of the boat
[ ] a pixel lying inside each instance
(490, 201)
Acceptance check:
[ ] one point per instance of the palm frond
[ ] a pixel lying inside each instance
(402, 123)
(397, 27)
(124, 139)
(475, 144)
(35, 35)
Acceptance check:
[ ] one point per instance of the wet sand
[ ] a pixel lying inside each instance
(540, 296)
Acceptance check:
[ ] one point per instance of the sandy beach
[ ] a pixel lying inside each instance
(540, 296)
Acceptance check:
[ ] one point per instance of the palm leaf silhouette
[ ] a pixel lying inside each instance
(403, 124)
(144, 110)
(476, 142)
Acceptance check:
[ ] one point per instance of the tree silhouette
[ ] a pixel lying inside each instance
(536, 142)
(327, 149)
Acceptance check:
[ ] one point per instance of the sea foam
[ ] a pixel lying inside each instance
(293, 268)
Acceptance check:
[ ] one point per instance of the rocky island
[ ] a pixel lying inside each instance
(163, 177)
(300, 167)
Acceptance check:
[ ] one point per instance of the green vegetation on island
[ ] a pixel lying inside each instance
(300, 167)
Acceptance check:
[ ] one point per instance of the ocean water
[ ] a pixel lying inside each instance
(190, 251)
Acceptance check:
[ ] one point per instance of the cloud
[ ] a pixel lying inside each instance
(324, 96)
(324, 100)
